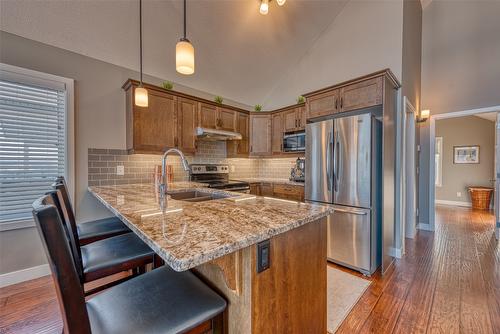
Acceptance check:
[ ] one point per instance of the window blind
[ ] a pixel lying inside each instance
(32, 145)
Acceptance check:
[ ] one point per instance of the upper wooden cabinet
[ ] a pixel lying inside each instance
(207, 116)
(240, 148)
(227, 119)
(260, 135)
(294, 119)
(322, 104)
(277, 133)
(362, 94)
(151, 129)
(214, 117)
(187, 120)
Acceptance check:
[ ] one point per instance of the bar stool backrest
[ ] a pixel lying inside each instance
(68, 288)
(74, 244)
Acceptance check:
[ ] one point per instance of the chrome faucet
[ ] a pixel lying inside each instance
(164, 181)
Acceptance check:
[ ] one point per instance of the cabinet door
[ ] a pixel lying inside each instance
(290, 120)
(323, 104)
(155, 127)
(266, 189)
(260, 135)
(243, 128)
(187, 120)
(301, 116)
(227, 119)
(277, 133)
(239, 148)
(207, 116)
(255, 189)
(362, 94)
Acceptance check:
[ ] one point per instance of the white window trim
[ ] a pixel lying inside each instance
(69, 163)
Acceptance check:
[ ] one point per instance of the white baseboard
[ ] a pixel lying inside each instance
(396, 252)
(24, 275)
(425, 227)
(454, 203)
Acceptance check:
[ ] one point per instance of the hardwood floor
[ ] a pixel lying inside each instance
(448, 282)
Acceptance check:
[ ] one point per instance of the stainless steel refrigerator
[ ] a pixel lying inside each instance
(343, 161)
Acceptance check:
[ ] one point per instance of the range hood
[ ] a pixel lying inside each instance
(214, 134)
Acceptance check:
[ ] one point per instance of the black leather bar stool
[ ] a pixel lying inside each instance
(160, 301)
(104, 257)
(92, 230)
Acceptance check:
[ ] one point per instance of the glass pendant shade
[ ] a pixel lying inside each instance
(264, 7)
(184, 57)
(281, 2)
(141, 97)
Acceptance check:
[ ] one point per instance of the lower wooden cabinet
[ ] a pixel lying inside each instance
(278, 190)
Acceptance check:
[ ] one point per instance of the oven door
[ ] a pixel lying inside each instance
(294, 142)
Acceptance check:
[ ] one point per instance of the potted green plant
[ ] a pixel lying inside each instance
(218, 99)
(167, 84)
(257, 107)
(301, 99)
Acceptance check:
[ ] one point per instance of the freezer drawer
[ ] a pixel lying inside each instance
(349, 238)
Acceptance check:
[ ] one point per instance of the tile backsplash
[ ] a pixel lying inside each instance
(138, 168)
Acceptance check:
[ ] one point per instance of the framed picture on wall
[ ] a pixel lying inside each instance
(466, 154)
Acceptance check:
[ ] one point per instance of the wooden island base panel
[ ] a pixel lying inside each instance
(296, 277)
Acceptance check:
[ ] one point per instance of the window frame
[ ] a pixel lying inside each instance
(45, 79)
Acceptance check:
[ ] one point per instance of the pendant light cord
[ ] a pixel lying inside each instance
(140, 35)
(184, 19)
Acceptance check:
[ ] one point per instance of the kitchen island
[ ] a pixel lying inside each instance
(219, 239)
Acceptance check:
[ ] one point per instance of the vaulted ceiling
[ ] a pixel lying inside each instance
(240, 54)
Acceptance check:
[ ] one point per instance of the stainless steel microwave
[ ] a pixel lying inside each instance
(294, 142)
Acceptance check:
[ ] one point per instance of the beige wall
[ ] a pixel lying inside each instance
(460, 68)
(463, 131)
(99, 123)
(365, 37)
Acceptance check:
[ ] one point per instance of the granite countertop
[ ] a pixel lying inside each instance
(187, 234)
(271, 180)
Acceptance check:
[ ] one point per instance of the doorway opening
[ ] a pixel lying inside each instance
(464, 162)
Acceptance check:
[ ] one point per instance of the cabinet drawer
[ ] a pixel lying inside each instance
(286, 189)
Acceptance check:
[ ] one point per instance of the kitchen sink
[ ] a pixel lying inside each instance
(195, 196)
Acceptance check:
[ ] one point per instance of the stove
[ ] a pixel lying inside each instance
(217, 177)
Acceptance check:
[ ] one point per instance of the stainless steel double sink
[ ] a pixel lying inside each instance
(195, 196)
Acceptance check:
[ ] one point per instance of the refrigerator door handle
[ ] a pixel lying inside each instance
(328, 162)
(359, 213)
(336, 163)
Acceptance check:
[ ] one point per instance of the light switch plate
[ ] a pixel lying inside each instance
(120, 170)
(232, 169)
(459, 194)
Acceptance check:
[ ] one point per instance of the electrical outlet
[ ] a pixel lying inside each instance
(120, 170)
(459, 194)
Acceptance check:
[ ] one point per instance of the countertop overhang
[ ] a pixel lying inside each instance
(186, 235)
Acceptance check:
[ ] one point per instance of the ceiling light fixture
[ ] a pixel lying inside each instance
(184, 52)
(141, 94)
(264, 7)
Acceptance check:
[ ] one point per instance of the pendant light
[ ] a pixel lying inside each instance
(141, 94)
(264, 7)
(184, 52)
(281, 2)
